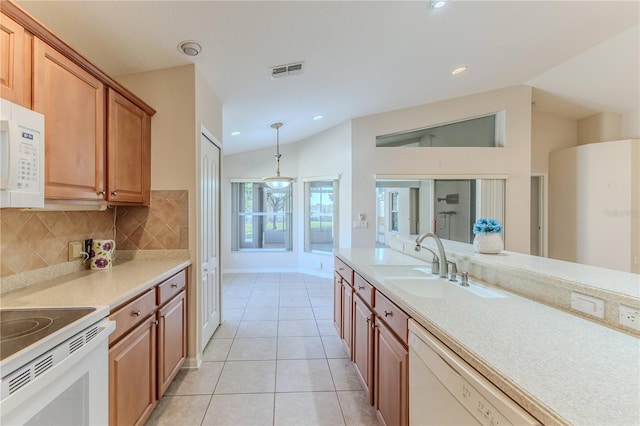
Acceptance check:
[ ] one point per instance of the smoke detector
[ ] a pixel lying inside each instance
(189, 47)
(286, 70)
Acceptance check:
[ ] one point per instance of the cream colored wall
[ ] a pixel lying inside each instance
(601, 127)
(183, 101)
(171, 92)
(513, 160)
(594, 203)
(631, 125)
(550, 133)
(325, 154)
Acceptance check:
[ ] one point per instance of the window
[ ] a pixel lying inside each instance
(487, 131)
(393, 210)
(321, 209)
(261, 217)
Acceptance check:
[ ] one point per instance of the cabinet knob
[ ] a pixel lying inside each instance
(114, 193)
(360, 287)
(388, 313)
(136, 313)
(174, 285)
(155, 322)
(101, 193)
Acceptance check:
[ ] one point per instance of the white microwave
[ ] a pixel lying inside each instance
(21, 156)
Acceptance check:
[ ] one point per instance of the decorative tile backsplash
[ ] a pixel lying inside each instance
(164, 225)
(31, 240)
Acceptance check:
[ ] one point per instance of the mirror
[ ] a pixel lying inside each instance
(449, 207)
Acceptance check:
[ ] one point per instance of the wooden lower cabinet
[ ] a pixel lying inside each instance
(391, 377)
(362, 348)
(337, 303)
(132, 376)
(172, 340)
(347, 316)
(147, 349)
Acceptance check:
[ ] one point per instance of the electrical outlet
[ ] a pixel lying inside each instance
(630, 317)
(87, 246)
(75, 250)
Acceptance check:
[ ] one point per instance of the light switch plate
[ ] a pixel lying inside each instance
(587, 304)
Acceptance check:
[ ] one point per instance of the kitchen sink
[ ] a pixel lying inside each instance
(439, 288)
(403, 271)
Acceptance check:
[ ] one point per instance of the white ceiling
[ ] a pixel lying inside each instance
(364, 57)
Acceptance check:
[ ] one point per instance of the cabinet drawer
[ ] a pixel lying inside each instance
(392, 315)
(345, 271)
(171, 287)
(363, 289)
(132, 313)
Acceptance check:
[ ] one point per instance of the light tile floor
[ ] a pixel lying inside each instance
(276, 360)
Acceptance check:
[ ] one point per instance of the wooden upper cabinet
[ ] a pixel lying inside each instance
(15, 61)
(128, 152)
(72, 101)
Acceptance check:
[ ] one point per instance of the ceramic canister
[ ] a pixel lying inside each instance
(102, 253)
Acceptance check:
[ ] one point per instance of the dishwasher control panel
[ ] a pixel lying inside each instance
(479, 407)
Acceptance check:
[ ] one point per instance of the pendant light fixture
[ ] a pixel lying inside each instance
(277, 181)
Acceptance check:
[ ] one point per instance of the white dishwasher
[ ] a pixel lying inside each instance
(445, 390)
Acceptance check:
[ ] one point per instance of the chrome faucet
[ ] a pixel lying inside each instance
(442, 261)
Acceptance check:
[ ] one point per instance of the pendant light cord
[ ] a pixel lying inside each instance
(277, 154)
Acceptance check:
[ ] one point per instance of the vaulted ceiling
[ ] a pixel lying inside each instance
(364, 57)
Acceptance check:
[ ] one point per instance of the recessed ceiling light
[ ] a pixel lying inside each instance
(459, 70)
(318, 117)
(189, 47)
(437, 4)
(235, 133)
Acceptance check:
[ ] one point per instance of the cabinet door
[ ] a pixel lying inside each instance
(337, 303)
(347, 316)
(172, 341)
(72, 102)
(391, 377)
(362, 348)
(128, 152)
(132, 376)
(14, 76)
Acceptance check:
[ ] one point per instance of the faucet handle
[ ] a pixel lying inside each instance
(454, 271)
(465, 279)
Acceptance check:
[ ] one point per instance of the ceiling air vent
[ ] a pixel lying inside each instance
(286, 70)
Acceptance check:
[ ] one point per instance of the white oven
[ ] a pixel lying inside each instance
(65, 381)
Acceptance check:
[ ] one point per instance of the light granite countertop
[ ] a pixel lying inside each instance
(90, 287)
(561, 368)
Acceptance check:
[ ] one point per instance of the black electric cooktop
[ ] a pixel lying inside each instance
(20, 328)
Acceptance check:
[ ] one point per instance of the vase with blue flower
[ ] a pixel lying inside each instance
(488, 238)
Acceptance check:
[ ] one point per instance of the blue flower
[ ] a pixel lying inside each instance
(486, 226)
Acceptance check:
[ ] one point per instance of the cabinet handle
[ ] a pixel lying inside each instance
(114, 193)
(174, 285)
(360, 287)
(388, 313)
(340, 269)
(368, 320)
(136, 313)
(101, 193)
(373, 325)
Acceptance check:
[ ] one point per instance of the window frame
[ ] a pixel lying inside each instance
(308, 185)
(259, 209)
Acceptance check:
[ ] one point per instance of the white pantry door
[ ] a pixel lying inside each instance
(209, 236)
